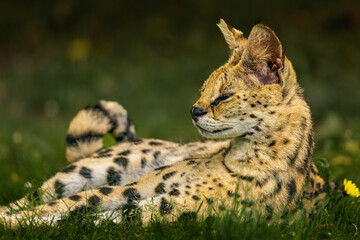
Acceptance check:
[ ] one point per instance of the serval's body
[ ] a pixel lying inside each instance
(253, 99)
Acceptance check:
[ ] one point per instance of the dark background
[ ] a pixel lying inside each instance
(152, 56)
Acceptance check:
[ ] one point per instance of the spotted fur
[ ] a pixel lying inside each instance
(253, 99)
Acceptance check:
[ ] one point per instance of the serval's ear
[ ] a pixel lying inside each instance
(233, 37)
(263, 54)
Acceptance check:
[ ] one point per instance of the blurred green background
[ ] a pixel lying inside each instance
(57, 57)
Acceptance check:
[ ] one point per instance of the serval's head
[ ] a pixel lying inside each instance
(256, 82)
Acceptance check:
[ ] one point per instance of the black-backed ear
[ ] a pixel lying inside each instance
(263, 54)
(233, 37)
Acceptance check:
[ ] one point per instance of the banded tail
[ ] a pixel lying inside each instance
(88, 127)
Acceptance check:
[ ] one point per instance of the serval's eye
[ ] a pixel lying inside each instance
(219, 99)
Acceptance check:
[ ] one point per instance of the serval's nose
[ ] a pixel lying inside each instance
(197, 112)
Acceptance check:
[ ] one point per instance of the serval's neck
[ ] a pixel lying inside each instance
(283, 142)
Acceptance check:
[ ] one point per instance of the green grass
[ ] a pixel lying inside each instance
(338, 218)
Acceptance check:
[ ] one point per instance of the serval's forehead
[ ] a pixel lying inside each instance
(214, 79)
(227, 79)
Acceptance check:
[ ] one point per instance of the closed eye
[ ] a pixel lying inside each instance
(219, 99)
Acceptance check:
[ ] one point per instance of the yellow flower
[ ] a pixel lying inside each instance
(351, 189)
(79, 49)
(14, 177)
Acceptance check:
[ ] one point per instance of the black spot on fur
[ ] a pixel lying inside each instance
(69, 169)
(160, 188)
(143, 162)
(246, 178)
(104, 151)
(165, 207)
(174, 192)
(311, 180)
(291, 188)
(100, 109)
(292, 157)
(252, 105)
(124, 153)
(174, 185)
(272, 143)
(222, 207)
(106, 190)
(230, 193)
(316, 193)
(80, 211)
(162, 168)
(154, 143)
(75, 198)
(94, 201)
(113, 177)
(102, 156)
(34, 196)
(304, 166)
(261, 183)
(191, 162)
(74, 141)
(186, 216)
(226, 167)
(269, 212)
(313, 170)
(210, 200)
(131, 212)
(196, 197)
(168, 175)
(286, 141)
(247, 202)
(256, 128)
(135, 141)
(146, 150)
(51, 204)
(85, 172)
(131, 184)
(127, 135)
(122, 161)
(310, 140)
(252, 116)
(59, 189)
(156, 155)
(278, 186)
(244, 135)
(131, 194)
